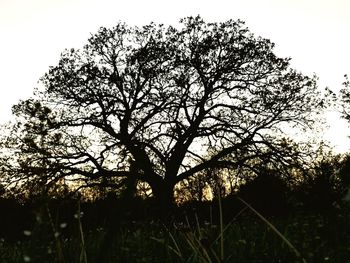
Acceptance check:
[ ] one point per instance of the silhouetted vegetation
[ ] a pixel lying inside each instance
(114, 229)
(159, 105)
(172, 144)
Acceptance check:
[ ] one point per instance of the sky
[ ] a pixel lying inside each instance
(33, 33)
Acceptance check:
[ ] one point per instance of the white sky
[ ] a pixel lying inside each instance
(314, 33)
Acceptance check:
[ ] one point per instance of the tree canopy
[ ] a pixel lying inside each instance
(160, 104)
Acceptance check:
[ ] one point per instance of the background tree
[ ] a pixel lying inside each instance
(175, 101)
(344, 103)
(325, 183)
(344, 99)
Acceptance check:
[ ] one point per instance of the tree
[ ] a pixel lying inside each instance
(171, 101)
(344, 99)
(267, 192)
(324, 183)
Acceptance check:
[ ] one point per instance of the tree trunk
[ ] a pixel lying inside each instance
(163, 192)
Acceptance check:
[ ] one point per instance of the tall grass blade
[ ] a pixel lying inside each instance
(59, 249)
(177, 249)
(83, 255)
(297, 253)
(221, 228)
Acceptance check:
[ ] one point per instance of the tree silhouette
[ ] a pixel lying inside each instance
(345, 99)
(267, 192)
(175, 101)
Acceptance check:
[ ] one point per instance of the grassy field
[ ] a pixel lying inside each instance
(247, 237)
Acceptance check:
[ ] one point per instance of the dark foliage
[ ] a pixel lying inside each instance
(267, 193)
(323, 187)
(15, 217)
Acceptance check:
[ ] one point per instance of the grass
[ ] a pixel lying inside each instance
(269, 224)
(249, 237)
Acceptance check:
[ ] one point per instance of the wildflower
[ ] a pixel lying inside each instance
(27, 233)
(38, 219)
(26, 258)
(57, 234)
(63, 225)
(76, 216)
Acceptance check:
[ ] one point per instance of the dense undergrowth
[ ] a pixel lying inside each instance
(113, 230)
